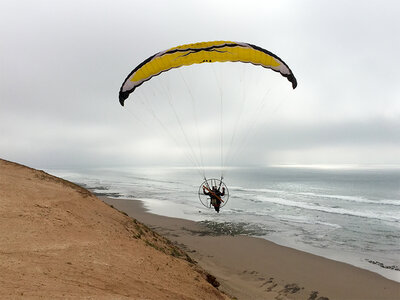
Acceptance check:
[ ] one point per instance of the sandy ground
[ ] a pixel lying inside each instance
(59, 241)
(253, 268)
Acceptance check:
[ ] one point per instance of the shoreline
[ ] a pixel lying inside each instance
(390, 272)
(251, 267)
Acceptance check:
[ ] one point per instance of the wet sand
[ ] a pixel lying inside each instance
(253, 268)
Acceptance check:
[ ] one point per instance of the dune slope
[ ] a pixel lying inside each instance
(58, 240)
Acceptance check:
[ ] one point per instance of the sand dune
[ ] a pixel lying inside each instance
(57, 240)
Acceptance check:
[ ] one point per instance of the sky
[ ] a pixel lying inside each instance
(62, 64)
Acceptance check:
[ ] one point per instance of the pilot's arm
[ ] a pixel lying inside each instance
(204, 192)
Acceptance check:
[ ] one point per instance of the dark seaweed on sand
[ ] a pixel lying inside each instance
(230, 228)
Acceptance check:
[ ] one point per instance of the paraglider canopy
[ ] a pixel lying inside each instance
(205, 52)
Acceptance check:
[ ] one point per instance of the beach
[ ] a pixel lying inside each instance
(254, 268)
(58, 240)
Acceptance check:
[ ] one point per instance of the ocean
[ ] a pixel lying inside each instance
(346, 214)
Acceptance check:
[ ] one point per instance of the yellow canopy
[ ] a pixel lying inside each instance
(205, 52)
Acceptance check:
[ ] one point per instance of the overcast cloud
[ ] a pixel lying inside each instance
(62, 64)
